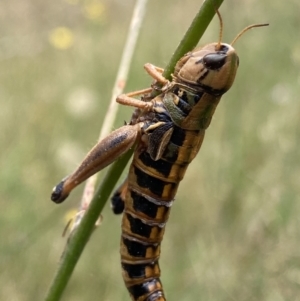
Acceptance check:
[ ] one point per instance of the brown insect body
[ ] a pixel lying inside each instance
(189, 103)
(169, 134)
(168, 131)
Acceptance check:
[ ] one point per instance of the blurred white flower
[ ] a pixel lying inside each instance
(281, 94)
(69, 154)
(81, 103)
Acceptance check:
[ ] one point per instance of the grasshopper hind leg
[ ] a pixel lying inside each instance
(101, 155)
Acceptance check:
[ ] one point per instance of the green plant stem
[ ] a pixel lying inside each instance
(82, 234)
(194, 33)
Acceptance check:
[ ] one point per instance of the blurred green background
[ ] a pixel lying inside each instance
(234, 231)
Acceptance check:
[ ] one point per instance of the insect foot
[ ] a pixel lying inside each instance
(57, 195)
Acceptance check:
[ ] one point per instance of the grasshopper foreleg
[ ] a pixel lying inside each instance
(101, 155)
(156, 73)
(129, 100)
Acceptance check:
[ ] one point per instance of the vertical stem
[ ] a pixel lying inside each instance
(194, 33)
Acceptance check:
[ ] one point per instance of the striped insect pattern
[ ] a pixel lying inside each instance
(167, 131)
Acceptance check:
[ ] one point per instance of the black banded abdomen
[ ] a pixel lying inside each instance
(152, 186)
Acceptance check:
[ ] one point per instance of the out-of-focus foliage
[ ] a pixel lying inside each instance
(234, 229)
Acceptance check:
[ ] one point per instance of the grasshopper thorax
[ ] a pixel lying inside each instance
(211, 68)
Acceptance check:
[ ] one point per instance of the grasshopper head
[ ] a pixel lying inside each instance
(212, 68)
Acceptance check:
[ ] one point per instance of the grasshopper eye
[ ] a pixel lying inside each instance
(214, 61)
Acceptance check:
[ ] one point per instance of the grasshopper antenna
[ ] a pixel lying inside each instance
(246, 29)
(218, 47)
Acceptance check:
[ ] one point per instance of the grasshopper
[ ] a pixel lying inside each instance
(167, 131)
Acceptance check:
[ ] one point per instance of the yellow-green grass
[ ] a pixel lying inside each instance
(233, 231)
